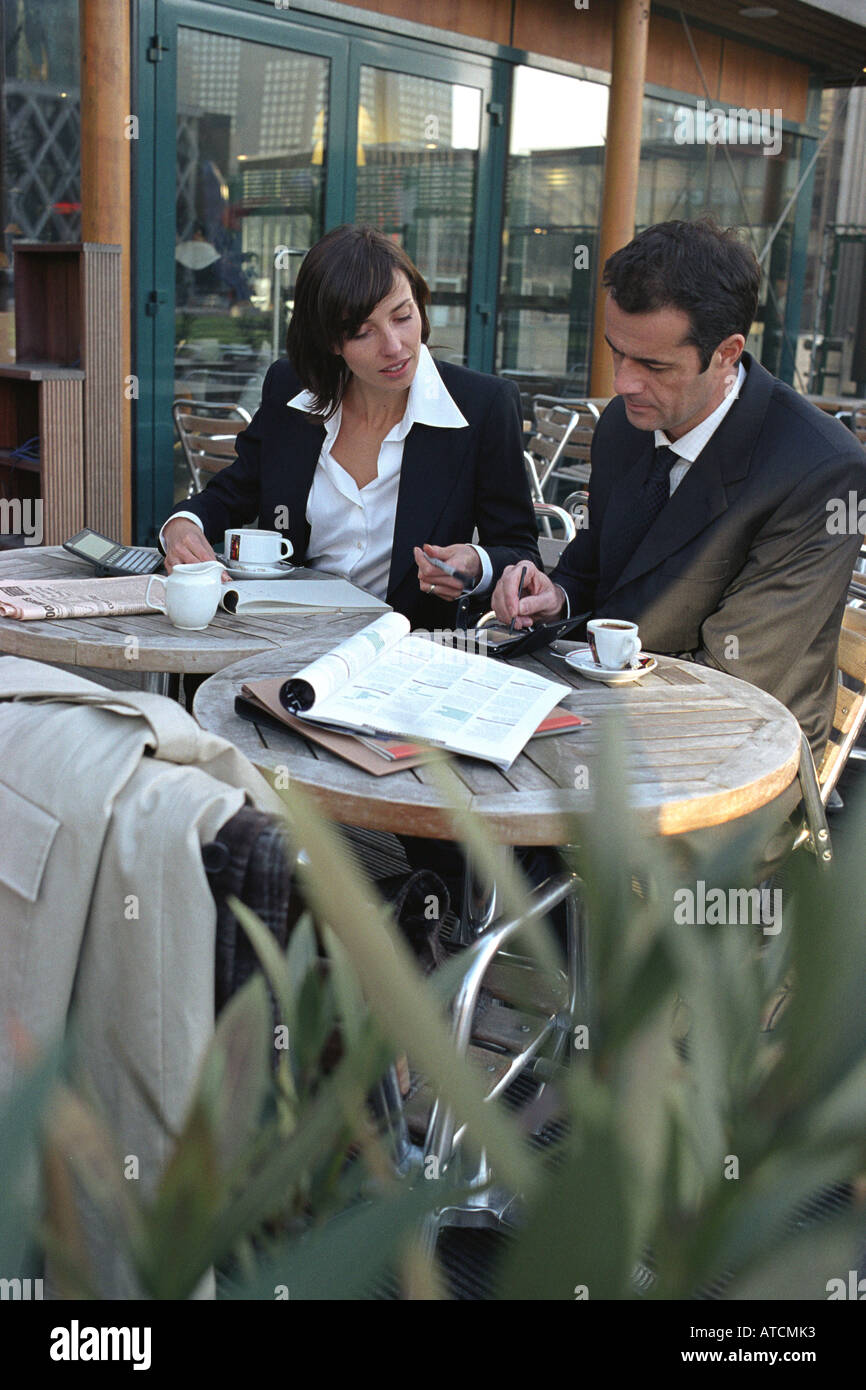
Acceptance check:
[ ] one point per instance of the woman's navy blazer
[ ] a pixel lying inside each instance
(452, 482)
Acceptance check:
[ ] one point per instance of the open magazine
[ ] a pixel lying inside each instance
(383, 680)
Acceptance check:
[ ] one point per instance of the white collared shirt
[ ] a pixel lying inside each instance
(689, 445)
(352, 528)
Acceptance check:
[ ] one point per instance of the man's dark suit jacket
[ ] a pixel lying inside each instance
(741, 569)
(451, 481)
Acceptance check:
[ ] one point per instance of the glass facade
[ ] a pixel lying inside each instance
(40, 135)
(417, 167)
(550, 234)
(252, 129)
(742, 171)
(691, 164)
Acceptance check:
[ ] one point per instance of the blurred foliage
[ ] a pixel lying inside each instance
(694, 1139)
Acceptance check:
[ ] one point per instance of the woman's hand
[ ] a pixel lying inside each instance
(435, 581)
(186, 544)
(541, 600)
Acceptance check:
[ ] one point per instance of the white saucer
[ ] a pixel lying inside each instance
(582, 662)
(279, 570)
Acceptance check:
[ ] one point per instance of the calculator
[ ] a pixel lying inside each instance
(107, 557)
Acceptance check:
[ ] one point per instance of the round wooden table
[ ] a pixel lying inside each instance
(145, 642)
(702, 749)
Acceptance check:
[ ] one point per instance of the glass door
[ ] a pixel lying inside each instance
(252, 139)
(241, 183)
(421, 175)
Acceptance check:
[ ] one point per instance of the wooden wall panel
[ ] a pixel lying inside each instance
(61, 430)
(736, 74)
(669, 59)
(556, 28)
(752, 77)
(102, 360)
(482, 19)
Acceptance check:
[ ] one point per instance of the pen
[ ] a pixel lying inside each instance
(519, 597)
(465, 579)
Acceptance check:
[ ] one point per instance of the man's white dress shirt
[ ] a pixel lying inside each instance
(688, 446)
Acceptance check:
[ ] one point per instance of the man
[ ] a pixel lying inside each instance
(715, 488)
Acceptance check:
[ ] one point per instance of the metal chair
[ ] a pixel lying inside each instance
(559, 447)
(524, 1027)
(577, 505)
(207, 431)
(849, 718)
(549, 548)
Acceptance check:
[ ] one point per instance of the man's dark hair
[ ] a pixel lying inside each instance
(342, 279)
(697, 267)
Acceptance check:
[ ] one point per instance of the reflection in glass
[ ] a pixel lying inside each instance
(553, 200)
(416, 173)
(692, 164)
(251, 167)
(40, 130)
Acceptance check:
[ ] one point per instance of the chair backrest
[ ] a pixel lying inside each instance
(207, 431)
(858, 423)
(550, 549)
(849, 715)
(562, 434)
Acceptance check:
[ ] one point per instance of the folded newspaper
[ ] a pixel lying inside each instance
(383, 680)
(33, 600)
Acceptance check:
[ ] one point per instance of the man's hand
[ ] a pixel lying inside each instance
(540, 601)
(186, 544)
(460, 557)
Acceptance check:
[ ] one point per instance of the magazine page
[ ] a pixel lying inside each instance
(34, 600)
(459, 700)
(328, 673)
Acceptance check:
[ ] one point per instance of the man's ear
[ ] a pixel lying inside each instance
(730, 350)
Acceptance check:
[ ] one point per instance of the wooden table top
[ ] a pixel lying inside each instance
(702, 749)
(104, 642)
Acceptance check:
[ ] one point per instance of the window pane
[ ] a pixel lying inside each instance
(417, 165)
(694, 162)
(251, 162)
(553, 199)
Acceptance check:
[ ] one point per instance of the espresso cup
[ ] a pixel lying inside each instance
(191, 594)
(244, 546)
(614, 644)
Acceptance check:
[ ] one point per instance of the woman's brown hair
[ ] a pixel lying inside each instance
(340, 282)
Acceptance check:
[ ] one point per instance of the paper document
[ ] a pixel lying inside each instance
(274, 596)
(385, 680)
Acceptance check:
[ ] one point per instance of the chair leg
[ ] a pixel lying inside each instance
(488, 1204)
(816, 817)
(479, 905)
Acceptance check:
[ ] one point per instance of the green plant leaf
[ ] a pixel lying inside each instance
(343, 1259)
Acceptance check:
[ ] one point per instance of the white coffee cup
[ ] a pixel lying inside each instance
(191, 594)
(614, 643)
(247, 547)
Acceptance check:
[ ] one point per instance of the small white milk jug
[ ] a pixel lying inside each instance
(191, 594)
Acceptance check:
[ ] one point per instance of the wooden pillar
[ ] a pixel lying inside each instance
(621, 162)
(106, 164)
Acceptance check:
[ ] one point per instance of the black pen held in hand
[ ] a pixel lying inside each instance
(465, 579)
(519, 597)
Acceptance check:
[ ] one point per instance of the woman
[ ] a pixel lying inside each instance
(366, 453)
